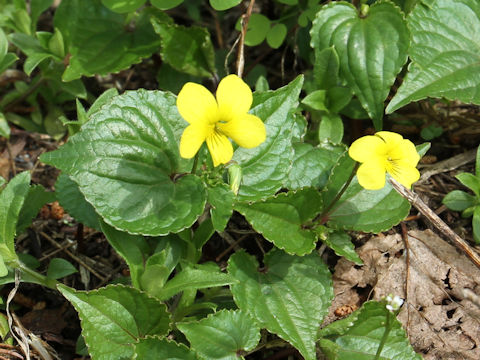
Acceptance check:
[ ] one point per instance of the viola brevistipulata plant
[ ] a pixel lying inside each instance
(227, 186)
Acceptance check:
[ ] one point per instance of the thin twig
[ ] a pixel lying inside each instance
(241, 44)
(74, 257)
(436, 221)
(11, 160)
(407, 267)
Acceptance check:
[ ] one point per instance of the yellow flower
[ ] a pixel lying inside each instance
(214, 121)
(385, 152)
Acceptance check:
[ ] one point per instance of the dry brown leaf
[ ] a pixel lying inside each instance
(441, 322)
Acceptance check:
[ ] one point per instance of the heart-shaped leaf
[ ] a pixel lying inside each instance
(98, 40)
(221, 198)
(360, 209)
(264, 168)
(132, 248)
(220, 5)
(73, 201)
(123, 6)
(359, 336)
(372, 48)
(11, 199)
(36, 198)
(200, 277)
(186, 49)
(445, 53)
(312, 165)
(155, 348)
(114, 318)
(223, 335)
(125, 159)
(289, 297)
(280, 219)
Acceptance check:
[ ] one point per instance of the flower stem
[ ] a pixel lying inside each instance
(388, 327)
(338, 196)
(36, 277)
(195, 164)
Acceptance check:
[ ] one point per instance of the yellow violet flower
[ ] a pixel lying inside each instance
(215, 120)
(385, 152)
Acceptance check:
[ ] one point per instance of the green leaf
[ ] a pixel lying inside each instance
(36, 198)
(8, 60)
(276, 35)
(59, 268)
(445, 60)
(221, 198)
(312, 165)
(281, 219)
(124, 160)
(189, 50)
(359, 336)
(331, 128)
(340, 242)
(471, 181)
(166, 4)
(155, 348)
(170, 79)
(431, 132)
(423, 148)
(289, 297)
(203, 276)
(477, 162)
(476, 225)
(265, 167)
(4, 127)
(123, 6)
(326, 68)
(103, 99)
(160, 265)
(11, 201)
(458, 200)
(116, 317)
(338, 97)
(37, 7)
(132, 248)
(316, 100)
(372, 49)
(72, 200)
(35, 52)
(369, 210)
(221, 5)
(98, 39)
(360, 209)
(3, 45)
(224, 335)
(258, 28)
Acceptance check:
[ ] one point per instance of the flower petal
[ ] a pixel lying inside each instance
(247, 130)
(405, 173)
(196, 104)
(371, 175)
(364, 148)
(407, 152)
(389, 137)
(233, 96)
(192, 138)
(220, 148)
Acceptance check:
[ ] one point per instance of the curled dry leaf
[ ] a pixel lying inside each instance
(440, 321)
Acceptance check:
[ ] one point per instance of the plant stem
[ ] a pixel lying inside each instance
(8, 107)
(39, 278)
(195, 164)
(338, 196)
(388, 327)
